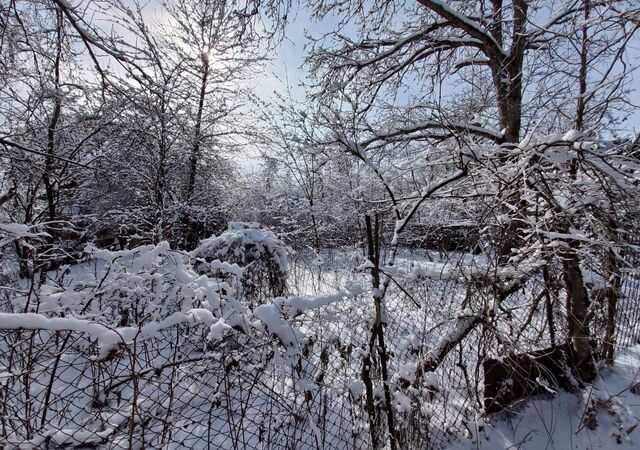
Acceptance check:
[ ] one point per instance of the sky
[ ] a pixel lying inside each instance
(285, 71)
(286, 67)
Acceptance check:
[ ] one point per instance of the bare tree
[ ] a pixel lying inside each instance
(50, 128)
(471, 76)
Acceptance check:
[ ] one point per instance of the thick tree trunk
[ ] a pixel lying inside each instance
(577, 296)
(507, 80)
(507, 71)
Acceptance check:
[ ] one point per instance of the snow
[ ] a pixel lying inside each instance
(572, 135)
(271, 317)
(246, 242)
(474, 28)
(218, 330)
(333, 316)
(108, 338)
(558, 422)
(356, 388)
(17, 231)
(297, 305)
(431, 270)
(431, 380)
(365, 266)
(407, 372)
(402, 403)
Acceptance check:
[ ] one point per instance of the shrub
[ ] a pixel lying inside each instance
(261, 258)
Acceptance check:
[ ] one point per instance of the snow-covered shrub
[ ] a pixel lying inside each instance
(128, 288)
(260, 258)
(18, 250)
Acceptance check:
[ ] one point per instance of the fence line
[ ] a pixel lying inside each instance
(179, 390)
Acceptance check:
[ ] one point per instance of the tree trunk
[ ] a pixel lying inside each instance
(612, 292)
(377, 331)
(578, 314)
(188, 237)
(507, 71)
(47, 172)
(608, 346)
(582, 77)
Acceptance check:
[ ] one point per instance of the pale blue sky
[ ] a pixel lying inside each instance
(285, 67)
(289, 57)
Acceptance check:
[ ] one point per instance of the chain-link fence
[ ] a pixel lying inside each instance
(180, 389)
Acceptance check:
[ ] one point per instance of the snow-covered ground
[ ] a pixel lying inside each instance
(303, 386)
(559, 422)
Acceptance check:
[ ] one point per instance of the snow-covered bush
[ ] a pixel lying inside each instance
(261, 260)
(128, 288)
(18, 250)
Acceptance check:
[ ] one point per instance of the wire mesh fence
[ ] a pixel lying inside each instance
(167, 392)
(178, 389)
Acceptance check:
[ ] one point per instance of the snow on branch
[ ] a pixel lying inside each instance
(469, 26)
(108, 339)
(298, 305)
(409, 132)
(276, 316)
(16, 231)
(465, 324)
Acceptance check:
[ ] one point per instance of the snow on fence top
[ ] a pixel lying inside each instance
(118, 297)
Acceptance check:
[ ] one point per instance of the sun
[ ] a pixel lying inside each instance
(207, 54)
